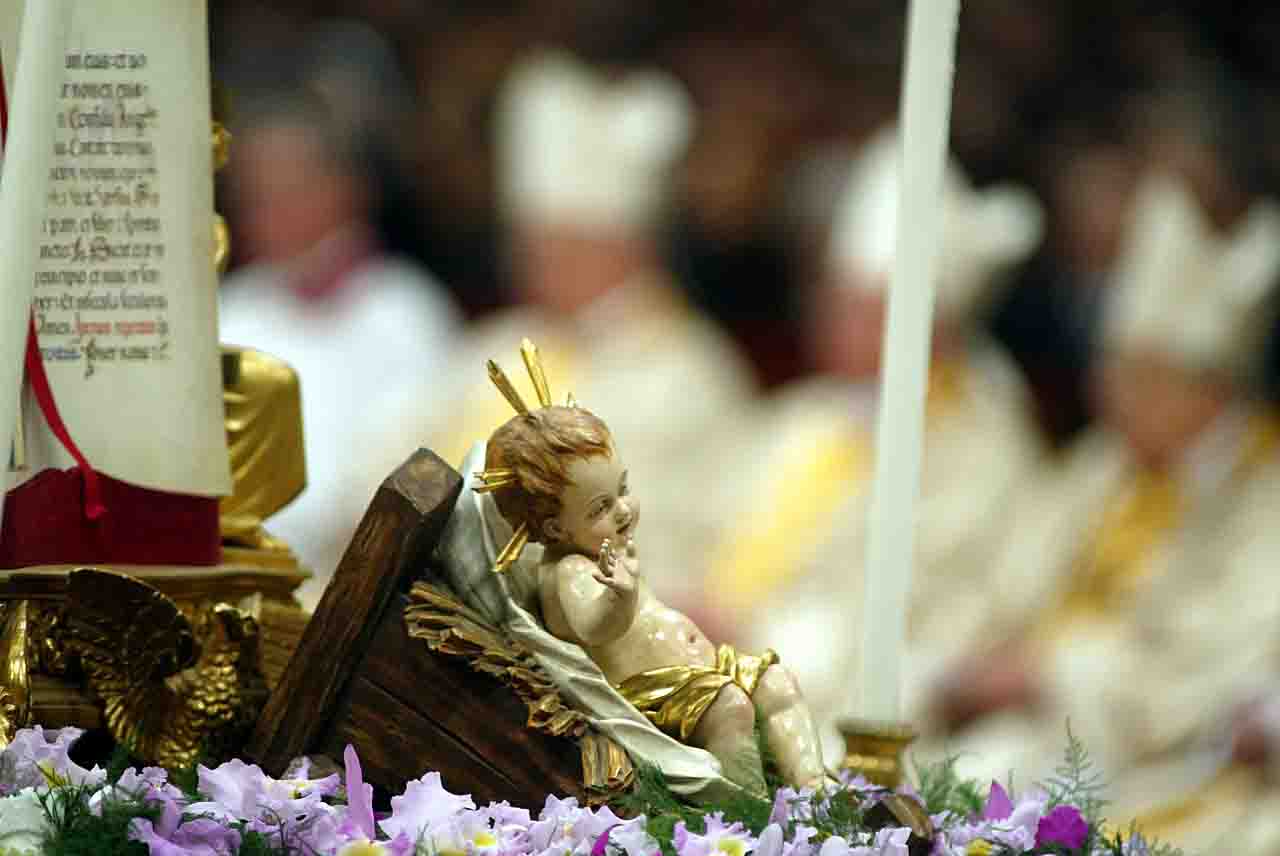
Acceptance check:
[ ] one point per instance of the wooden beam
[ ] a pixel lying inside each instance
(393, 542)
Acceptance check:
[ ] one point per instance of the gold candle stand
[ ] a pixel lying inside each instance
(874, 749)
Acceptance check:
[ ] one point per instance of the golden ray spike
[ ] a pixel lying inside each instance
(500, 380)
(514, 548)
(490, 487)
(570, 401)
(491, 480)
(533, 363)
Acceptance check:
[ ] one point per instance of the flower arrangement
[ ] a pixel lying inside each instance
(49, 804)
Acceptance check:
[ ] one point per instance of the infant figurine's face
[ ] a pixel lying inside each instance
(595, 506)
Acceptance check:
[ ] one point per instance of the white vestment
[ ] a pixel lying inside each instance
(1148, 683)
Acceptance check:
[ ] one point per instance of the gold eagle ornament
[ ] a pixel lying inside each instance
(174, 689)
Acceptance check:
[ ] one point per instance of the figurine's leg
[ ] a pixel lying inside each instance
(727, 731)
(792, 735)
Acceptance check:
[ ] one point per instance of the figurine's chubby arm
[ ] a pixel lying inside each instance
(598, 599)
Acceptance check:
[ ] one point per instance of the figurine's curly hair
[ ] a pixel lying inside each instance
(538, 448)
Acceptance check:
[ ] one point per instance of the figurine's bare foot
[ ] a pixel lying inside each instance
(727, 731)
(793, 738)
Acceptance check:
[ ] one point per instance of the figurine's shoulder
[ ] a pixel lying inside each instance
(572, 566)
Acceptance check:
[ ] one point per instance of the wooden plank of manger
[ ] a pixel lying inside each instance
(357, 677)
(411, 710)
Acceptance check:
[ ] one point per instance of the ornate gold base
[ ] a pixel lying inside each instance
(215, 634)
(874, 749)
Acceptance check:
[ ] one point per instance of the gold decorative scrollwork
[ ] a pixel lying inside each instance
(46, 639)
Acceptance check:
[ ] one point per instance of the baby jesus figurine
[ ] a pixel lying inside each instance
(558, 479)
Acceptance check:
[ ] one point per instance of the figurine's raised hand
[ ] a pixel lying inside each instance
(631, 559)
(616, 572)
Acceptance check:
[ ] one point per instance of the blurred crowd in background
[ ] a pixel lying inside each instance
(705, 266)
(1052, 94)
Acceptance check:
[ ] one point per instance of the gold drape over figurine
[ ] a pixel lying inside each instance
(674, 698)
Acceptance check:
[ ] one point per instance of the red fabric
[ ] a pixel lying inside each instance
(93, 507)
(43, 525)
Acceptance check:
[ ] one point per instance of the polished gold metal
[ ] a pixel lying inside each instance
(15, 677)
(221, 145)
(263, 406)
(511, 552)
(537, 374)
(221, 245)
(874, 749)
(171, 687)
(503, 383)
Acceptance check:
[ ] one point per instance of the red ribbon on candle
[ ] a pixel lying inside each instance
(93, 505)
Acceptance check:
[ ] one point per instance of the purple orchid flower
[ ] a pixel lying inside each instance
(359, 829)
(168, 836)
(602, 841)
(359, 797)
(1065, 826)
(425, 805)
(36, 758)
(998, 806)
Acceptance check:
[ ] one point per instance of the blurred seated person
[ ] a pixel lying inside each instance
(1229, 800)
(1134, 596)
(789, 573)
(360, 327)
(584, 163)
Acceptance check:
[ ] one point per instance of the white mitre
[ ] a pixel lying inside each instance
(575, 147)
(984, 232)
(1184, 290)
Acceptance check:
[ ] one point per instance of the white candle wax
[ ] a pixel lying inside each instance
(28, 153)
(925, 120)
